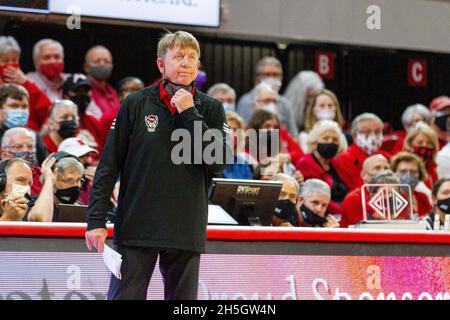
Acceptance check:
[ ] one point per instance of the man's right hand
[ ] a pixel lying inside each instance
(14, 208)
(96, 238)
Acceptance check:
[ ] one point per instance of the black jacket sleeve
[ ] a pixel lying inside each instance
(216, 120)
(109, 168)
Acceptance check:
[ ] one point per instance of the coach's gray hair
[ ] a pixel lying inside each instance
(315, 186)
(364, 117)
(221, 87)
(14, 132)
(410, 111)
(62, 103)
(8, 43)
(37, 47)
(286, 178)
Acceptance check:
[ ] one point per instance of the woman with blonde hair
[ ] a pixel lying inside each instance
(324, 106)
(325, 142)
(422, 141)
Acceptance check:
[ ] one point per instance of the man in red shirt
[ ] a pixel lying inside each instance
(367, 132)
(98, 66)
(352, 204)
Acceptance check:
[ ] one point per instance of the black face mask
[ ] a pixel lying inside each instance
(327, 150)
(172, 87)
(69, 195)
(286, 211)
(444, 205)
(311, 218)
(101, 73)
(441, 122)
(67, 128)
(27, 156)
(82, 101)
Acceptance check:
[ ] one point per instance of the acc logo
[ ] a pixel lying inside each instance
(152, 122)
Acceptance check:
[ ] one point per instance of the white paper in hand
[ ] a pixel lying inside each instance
(113, 260)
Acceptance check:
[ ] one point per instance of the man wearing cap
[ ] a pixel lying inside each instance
(440, 108)
(86, 154)
(78, 89)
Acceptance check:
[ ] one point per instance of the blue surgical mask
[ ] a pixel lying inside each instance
(16, 118)
(229, 107)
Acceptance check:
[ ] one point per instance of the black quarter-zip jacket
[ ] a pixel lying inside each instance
(161, 204)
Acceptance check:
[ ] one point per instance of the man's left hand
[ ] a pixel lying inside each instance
(182, 100)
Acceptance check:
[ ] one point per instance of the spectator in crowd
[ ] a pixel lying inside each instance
(325, 142)
(268, 70)
(225, 94)
(267, 122)
(63, 124)
(440, 108)
(80, 149)
(265, 98)
(62, 175)
(411, 116)
(14, 112)
(324, 106)
(422, 141)
(352, 205)
(77, 88)
(98, 66)
(15, 182)
(411, 171)
(300, 92)
(286, 213)
(240, 168)
(48, 58)
(21, 143)
(367, 133)
(441, 202)
(128, 85)
(10, 72)
(315, 195)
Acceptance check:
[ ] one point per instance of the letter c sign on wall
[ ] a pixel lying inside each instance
(417, 73)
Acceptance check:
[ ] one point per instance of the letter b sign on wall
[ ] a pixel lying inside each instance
(417, 73)
(325, 64)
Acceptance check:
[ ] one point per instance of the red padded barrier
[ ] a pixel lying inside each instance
(77, 230)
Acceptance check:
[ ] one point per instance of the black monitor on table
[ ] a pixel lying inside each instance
(249, 202)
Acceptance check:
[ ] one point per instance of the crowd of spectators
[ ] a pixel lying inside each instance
(53, 126)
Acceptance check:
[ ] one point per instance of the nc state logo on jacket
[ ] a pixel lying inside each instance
(152, 122)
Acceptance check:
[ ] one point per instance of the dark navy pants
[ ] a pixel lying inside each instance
(179, 269)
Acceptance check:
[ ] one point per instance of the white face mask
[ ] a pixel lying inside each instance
(19, 190)
(369, 144)
(274, 83)
(325, 114)
(270, 107)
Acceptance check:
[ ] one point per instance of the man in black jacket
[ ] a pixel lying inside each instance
(162, 206)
